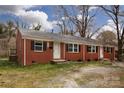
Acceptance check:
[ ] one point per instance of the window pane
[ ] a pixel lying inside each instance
(105, 49)
(38, 43)
(93, 48)
(70, 47)
(108, 49)
(88, 48)
(38, 48)
(76, 48)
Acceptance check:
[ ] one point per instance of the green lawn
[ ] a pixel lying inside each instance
(38, 75)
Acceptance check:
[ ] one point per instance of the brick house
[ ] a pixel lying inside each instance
(43, 47)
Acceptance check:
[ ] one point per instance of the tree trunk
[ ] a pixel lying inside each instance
(120, 45)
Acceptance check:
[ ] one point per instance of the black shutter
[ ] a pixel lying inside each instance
(32, 45)
(66, 47)
(44, 46)
(79, 48)
(51, 45)
(111, 50)
(96, 49)
(87, 48)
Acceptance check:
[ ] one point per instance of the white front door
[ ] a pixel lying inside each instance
(101, 52)
(56, 50)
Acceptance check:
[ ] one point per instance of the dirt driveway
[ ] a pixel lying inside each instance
(71, 75)
(91, 77)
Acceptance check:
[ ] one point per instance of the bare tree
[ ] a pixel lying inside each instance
(84, 20)
(10, 29)
(63, 22)
(79, 19)
(113, 12)
(37, 27)
(107, 37)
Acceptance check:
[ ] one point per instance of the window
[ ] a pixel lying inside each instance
(92, 49)
(105, 49)
(70, 47)
(73, 48)
(108, 49)
(88, 48)
(38, 45)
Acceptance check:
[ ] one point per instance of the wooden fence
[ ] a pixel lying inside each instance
(3, 48)
(12, 55)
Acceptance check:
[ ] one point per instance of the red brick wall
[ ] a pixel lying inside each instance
(39, 57)
(109, 55)
(19, 46)
(91, 56)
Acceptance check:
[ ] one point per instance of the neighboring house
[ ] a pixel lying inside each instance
(43, 47)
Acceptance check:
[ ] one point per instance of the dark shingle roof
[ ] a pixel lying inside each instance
(32, 34)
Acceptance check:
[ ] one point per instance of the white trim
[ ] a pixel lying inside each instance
(72, 43)
(84, 43)
(38, 51)
(92, 47)
(48, 45)
(73, 48)
(24, 52)
(37, 39)
(101, 52)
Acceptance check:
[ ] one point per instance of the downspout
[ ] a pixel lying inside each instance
(24, 52)
(84, 52)
(99, 52)
(114, 53)
(64, 50)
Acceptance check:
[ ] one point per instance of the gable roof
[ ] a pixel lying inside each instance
(41, 35)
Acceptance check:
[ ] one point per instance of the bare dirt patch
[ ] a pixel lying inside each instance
(93, 77)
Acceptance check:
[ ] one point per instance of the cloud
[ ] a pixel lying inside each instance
(93, 8)
(13, 8)
(110, 26)
(35, 17)
(28, 16)
(79, 16)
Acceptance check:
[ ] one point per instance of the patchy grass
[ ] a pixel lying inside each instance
(41, 75)
(37, 75)
(121, 77)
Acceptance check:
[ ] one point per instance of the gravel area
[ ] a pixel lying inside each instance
(88, 77)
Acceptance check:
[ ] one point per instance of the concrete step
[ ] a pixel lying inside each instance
(57, 61)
